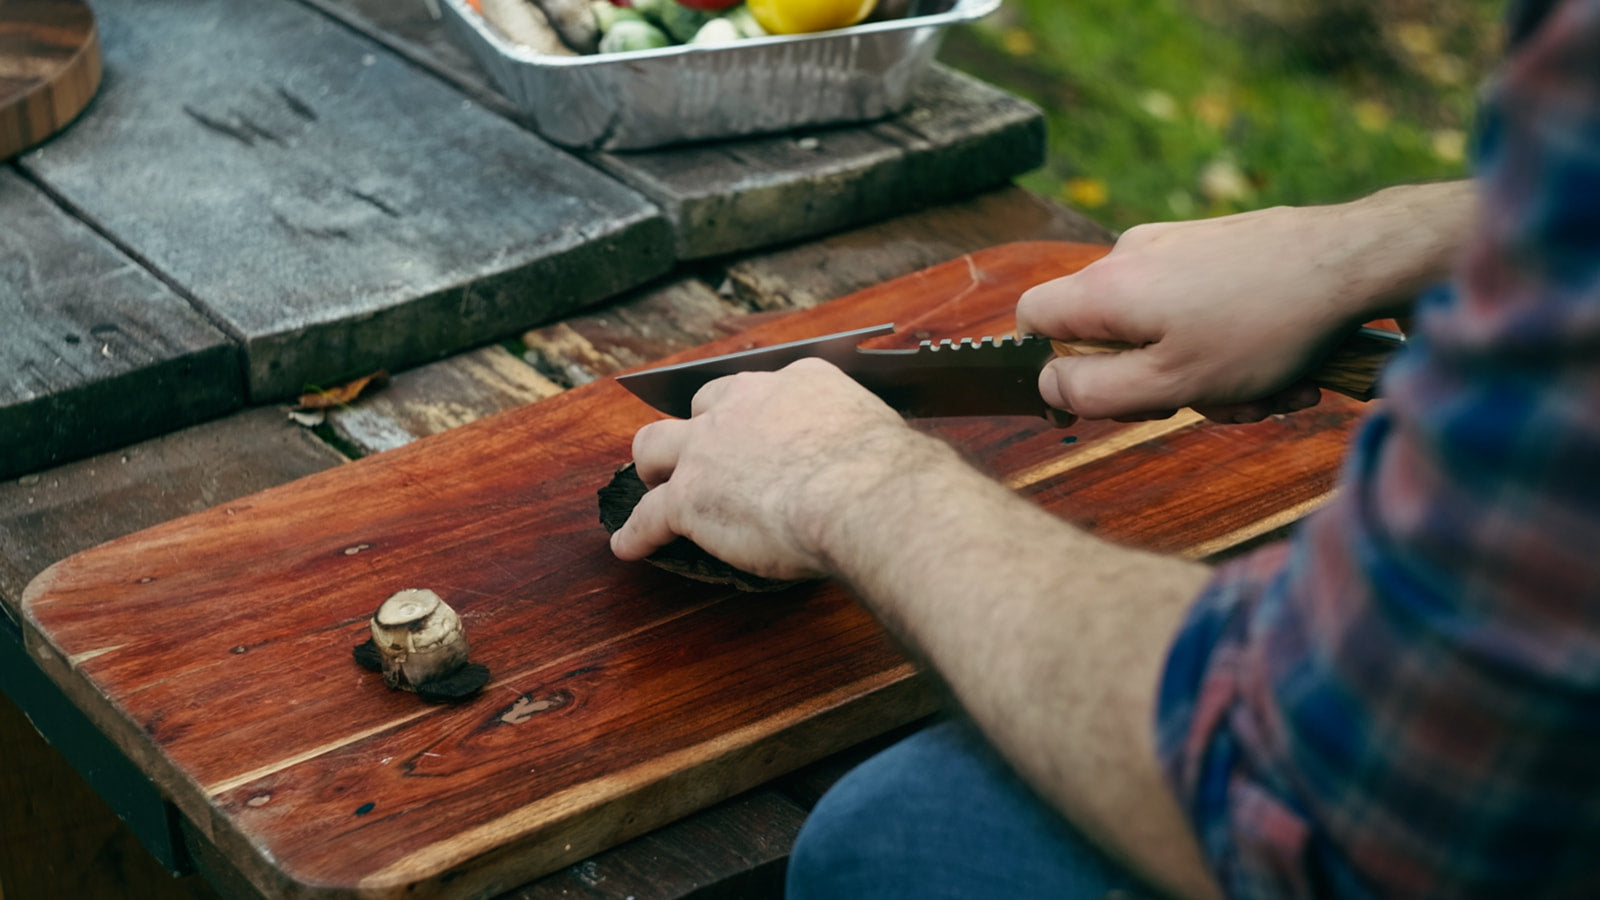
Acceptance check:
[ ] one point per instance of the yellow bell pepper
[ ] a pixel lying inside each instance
(803, 16)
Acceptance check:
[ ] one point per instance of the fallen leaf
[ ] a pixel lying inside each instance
(1222, 182)
(1159, 104)
(1089, 193)
(1450, 144)
(343, 394)
(1213, 109)
(1181, 203)
(1018, 42)
(1444, 69)
(1418, 38)
(1372, 115)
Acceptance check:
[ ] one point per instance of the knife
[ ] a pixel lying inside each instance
(964, 377)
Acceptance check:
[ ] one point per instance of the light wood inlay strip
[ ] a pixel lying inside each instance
(91, 654)
(1083, 454)
(1257, 528)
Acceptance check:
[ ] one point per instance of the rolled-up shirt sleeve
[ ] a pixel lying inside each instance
(1404, 700)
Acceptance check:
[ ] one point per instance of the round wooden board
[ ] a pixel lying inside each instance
(49, 68)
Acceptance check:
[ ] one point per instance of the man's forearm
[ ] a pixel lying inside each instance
(1051, 640)
(1409, 237)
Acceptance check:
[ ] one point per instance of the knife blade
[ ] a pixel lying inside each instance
(986, 376)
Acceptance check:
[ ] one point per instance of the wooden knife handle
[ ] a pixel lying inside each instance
(1351, 369)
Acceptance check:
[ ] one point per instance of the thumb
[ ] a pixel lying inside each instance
(649, 527)
(1109, 385)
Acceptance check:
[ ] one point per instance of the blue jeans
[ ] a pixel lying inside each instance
(939, 815)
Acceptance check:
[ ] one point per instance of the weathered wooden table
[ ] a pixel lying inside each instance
(270, 195)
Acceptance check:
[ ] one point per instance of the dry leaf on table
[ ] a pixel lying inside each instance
(342, 394)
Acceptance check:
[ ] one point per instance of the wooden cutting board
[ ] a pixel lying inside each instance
(49, 68)
(215, 649)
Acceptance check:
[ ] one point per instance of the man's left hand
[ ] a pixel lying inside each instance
(755, 474)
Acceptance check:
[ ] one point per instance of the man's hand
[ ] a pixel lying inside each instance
(1228, 314)
(754, 473)
(1220, 311)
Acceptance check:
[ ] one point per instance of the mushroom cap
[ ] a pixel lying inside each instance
(407, 606)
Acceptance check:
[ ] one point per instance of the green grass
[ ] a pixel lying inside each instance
(1158, 112)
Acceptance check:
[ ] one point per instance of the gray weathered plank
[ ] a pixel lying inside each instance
(736, 849)
(96, 351)
(958, 136)
(462, 388)
(48, 516)
(414, 29)
(440, 396)
(632, 331)
(336, 208)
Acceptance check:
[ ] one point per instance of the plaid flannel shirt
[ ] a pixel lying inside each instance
(1404, 700)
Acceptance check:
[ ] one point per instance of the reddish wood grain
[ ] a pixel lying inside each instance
(215, 648)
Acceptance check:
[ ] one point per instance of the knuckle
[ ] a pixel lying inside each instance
(811, 365)
(1096, 280)
(1040, 306)
(643, 438)
(1146, 234)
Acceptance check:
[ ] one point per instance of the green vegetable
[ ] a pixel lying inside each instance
(717, 31)
(633, 34)
(608, 14)
(679, 21)
(667, 22)
(605, 14)
(743, 20)
(650, 9)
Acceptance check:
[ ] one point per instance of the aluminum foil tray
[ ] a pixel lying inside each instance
(651, 98)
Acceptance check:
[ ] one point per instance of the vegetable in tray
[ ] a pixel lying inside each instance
(577, 27)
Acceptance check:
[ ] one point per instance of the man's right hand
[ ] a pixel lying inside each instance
(1227, 314)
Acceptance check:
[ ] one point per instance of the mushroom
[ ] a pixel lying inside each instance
(419, 645)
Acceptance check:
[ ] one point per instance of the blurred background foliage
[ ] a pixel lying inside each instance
(1176, 109)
